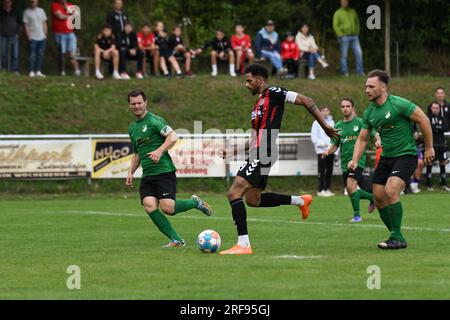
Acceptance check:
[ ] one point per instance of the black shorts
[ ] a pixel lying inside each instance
(255, 173)
(161, 186)
(402, 167)
(440, 153)
(356, 174)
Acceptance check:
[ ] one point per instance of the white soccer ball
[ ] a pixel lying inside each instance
(208, 241)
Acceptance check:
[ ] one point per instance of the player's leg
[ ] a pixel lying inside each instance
(231, 61)
(441, 152)
(256, 198)
(353, 194)
(380, 177)
(97, 62)
(237, 190)
(214, 63)
(238, 58)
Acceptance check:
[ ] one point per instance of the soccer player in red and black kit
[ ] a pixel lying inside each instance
(252, 177)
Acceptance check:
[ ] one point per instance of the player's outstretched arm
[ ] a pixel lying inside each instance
(419, 117)
(360, 146)
(314, 111)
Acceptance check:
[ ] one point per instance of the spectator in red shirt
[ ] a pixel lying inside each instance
(105, 49)
(64, 35)
(290, 54)
(146, 42)
(242, 46)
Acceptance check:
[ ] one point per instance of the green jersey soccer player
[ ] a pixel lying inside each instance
(392, 117)
(350, 128)
(151, 138)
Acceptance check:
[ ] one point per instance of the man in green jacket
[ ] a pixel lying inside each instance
(346, 27)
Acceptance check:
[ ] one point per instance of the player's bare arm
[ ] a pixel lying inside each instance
(134, 165)
(422, 120)
(171, 140)
(314, 111)
(332, 149)
(377, 140)
(360, 146)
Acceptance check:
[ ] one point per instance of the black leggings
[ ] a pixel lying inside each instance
(325, 171)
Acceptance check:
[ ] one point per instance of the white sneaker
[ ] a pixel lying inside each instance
(446, 188)
(78, 72)
(99, 75)
(345, 192)
(430, 188)
(414, 187)
(329, 193)
(63, 73)
(214, 73)
(325, 65)
(125, 76)
(116, 75)
(233, 74)
(312, 77)
(32, 74)
(322, 194)
(139, 76)
(40, 74)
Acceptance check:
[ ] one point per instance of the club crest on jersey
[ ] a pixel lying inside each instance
(355, 128)
(388, 115)
(144, 129)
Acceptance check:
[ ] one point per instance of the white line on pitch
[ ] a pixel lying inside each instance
(120, 214)
(286, 256)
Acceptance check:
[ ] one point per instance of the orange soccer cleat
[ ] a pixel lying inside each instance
(237, 249)
(304, 209)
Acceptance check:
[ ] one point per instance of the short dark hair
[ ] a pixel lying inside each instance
(324, 107)
(145, 24)
(107, 26)
(257, 70)
(382, 76)
(439, 88)
(349, 100)
(137, 93)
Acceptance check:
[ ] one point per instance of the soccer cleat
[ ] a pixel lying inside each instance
(203, 206)
(446, 188)
(329, 193)
(356, 219)
(237, 249)
(371, 207)
(175, 243)
(304, 209)
(392, 244)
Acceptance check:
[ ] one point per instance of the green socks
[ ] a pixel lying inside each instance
(185, 205)
(354, 198)
(164, 225)
(396, 214)
(385, 216)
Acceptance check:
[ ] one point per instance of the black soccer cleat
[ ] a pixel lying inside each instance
(392, 244)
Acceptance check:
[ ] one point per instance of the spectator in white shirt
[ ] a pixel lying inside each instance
(35, 22)
(309, 50)
(321, 143)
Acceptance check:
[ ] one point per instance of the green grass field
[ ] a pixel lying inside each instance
(119, 252)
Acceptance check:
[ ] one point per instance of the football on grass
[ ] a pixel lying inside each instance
(209, 241)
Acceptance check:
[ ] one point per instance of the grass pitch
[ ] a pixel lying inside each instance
(119, 252)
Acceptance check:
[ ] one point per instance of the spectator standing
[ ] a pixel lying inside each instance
(166, 54)
(146, 42)
(321, 143)
(117, 19)
(179, 49)
(64, 36)
(129, 50)
(414, 183)
(347, 28)
(10, 29)
(439, 126)
(444, 105)
(222, 50)
(35, 23)
(290, 54)
(268, 47)
(242, 46)
(309, 50)
(105, 49)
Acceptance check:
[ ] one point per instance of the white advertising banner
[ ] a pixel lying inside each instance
(44, 159)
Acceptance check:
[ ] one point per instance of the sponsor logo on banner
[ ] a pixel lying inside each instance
(44, 159)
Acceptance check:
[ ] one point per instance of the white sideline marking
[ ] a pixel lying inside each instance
(286, 256)
(120, 214)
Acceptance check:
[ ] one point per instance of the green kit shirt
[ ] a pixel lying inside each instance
(346, 141)
(147, 135)
(392, 122)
